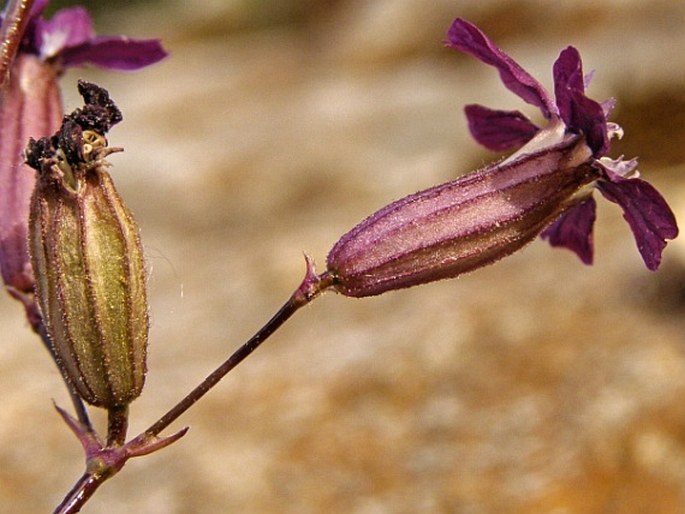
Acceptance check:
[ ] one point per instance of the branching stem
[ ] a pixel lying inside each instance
(104, 461)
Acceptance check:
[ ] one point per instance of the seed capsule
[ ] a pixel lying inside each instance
(462, 225)
(87, 259)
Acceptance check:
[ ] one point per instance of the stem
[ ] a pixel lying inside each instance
(11, 33)
(117, 424)
(311, 287)
(104, 462)
(79, 494)
(285, 312)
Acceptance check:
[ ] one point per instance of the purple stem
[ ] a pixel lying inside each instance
(79, 494)
(113, 456)
(311, 287)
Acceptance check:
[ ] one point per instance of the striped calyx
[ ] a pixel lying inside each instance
(87, 258)
(462, 225)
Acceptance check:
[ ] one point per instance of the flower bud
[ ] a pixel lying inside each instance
(87, 258)
(462, 225)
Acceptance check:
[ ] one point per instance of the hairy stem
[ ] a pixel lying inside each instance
(11, 32)
(306, 293)
(117, 424)
(104, 462)
(79, 494)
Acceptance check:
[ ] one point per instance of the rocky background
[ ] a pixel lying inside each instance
(537, 385)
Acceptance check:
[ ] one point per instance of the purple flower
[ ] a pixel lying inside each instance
(30, 106)
(544, 187)
(68, 40)
(570, 112)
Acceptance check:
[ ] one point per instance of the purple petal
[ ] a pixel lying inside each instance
(649, 216)
(588, 118)
(568, 77)
(580, 113)
(608, 106)
(499, 130)
(468, 38)
(573, 230)
(68, 28)
(116, 53)
(38, 7)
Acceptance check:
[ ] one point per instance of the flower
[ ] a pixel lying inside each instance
(649, 216)
(68, 40)
(30, 106)
(544, 187)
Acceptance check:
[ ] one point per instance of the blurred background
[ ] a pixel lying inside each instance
(538, 385)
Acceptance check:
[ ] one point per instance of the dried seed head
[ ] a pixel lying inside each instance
(87, 258)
